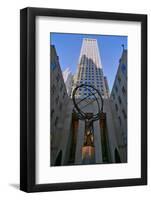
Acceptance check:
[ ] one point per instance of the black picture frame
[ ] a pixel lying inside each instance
(28, 98)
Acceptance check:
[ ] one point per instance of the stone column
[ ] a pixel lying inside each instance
(66, 139)
(80, 140)
(97, 142)
(111, 131)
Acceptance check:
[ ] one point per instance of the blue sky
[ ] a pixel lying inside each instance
(68, 49)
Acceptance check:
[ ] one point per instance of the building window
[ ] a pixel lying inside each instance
(116, 107)
(56, 121)
(113, 96)
(123, 67)
(60, 106)
(52, 113)
(57, 99)
(64, 95)
(119, 79)
(57, 78)
(124, 114)
(53, 89)
(119, 119)
(124, 139)
(61, 87)
(116, 89)
(53, 65)
(123, 90)
(119, 99)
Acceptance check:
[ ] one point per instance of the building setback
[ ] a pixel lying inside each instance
(68, 79)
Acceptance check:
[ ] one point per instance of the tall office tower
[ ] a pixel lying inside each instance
(89, 69)
(107, 86)
(68, 79)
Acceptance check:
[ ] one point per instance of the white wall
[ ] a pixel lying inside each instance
(9, 99)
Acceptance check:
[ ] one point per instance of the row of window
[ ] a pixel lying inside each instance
(58, 77)
(124, 138)
(89, 93)
(53, 65)
(88, 89)
(89, 76)
(123, 134)
(82, 79)
(90, 80)
(123, 68)
(116, 89)
(53, 89)
(91, 68)
(92, 71)
(123, 111)
(98, 87)
(88, 62)
(116, 107)
(52, 114)
(91, 83)
(120, 102)
(56, 121)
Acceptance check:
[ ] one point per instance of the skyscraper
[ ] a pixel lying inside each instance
(68, 78)
(89, 69)
(107, 86)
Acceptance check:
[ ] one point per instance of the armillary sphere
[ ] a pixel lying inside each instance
(92, 97)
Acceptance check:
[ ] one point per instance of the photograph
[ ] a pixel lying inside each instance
(83, 84)
(88, 99)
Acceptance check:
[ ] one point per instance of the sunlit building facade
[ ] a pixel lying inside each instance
(89, 69)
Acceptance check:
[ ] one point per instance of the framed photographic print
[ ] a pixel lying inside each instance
(83, 99)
